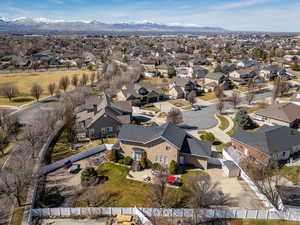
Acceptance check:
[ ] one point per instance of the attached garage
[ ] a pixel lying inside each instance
(230, 169)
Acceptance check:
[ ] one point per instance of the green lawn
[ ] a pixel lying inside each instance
(17, 216)
(127, 193)
(224, 122)
(292, 173)
(208, 96)
(61, 148)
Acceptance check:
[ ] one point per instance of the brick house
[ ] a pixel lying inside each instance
(162, 144)
(277, 143)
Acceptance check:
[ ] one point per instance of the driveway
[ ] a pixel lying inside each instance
(202, 119)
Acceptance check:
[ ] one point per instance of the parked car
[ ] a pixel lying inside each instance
(196, 108)
(172, 180)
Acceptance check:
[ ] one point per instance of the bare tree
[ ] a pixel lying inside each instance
(84, 79)
(92, 77)
(64, 83)
(219, 91)
(204, 194)
(266, 178)
(175, 116)
(250, 95)
(75, 80)
(192, 97)
(159, 195)
(15, 181)
(36, 91)
(284, 87)
(220, 105)
(51, 88)
(235, 99)
(98, 76)
(9, 91)
(276, 89)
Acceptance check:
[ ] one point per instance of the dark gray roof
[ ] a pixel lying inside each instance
(230, 164)
(269, 139)
(168, 132)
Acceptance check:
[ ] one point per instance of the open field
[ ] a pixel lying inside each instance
(24, 82)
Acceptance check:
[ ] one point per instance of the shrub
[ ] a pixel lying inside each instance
(143, 162)
(156, 166)
(173, 167)
(208, 137)
(113, 157)
(88, 176)
(128, 160)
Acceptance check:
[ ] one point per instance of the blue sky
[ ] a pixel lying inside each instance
(247, 15)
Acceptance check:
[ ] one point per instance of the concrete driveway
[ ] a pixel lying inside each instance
(202, 119)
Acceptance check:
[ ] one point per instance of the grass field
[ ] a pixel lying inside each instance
(179, 102)
(17, 216)
(24, 82)
(292, 173)
(208, 96)
(224, 122)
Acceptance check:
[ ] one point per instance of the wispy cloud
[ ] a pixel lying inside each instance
(241, 4)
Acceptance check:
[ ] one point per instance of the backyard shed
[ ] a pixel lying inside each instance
(231, 169)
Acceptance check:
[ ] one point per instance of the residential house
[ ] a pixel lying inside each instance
(163, 70)
(270, 72)
(162, 144)
(140, 93)
(285, 114)
(244, 74)
(217, 78)
(178, 84)
(101, 117)
(268, 143)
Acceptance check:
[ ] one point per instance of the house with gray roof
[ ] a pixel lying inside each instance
(162, 144)
(277, 143)
(102, 118)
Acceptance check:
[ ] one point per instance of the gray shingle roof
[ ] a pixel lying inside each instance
(269, 139)
(168, 132)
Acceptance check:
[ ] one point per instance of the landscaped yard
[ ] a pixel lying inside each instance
(24, 81)
(179, 102)
(224, 122)
(208, 96)
(62, 147)
(151, 108)
(292, 173)
(126, 193)
(162, 115)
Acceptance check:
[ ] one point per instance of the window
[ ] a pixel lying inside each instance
(103, 130)
(168, 148)
(161, 159)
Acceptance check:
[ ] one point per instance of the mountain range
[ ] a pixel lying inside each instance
(44, 24)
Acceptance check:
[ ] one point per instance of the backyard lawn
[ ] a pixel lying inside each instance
(292, 173)
(24, 81)
(127, 193)
(62, 147)
(224, 122)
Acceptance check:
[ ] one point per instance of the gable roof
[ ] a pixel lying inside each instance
(287, 112)
(215, 76)
(269, 139)
(168, 132)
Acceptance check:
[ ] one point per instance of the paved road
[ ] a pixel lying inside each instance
(205, 118)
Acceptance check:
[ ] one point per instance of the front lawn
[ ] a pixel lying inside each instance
(126, 193)
(162, 115)
(224, 122)
(179, 102)
(292, 173)
(151, 108)
(208, 96)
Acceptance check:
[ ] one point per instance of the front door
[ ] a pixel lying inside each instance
(181, 160)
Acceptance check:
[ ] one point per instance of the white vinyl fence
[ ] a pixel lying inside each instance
(160, 212)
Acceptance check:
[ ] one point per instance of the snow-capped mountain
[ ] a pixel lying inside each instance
(39, 24)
